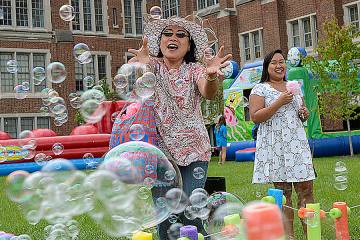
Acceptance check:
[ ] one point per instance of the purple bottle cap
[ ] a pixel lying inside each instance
(189, 232)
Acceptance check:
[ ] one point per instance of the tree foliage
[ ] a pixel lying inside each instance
(336, 71)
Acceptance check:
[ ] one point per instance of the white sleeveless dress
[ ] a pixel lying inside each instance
(282, 149)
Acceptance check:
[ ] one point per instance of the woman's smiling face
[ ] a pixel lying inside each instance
(277, 67)
(174, 43)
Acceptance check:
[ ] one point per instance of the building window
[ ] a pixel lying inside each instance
(303, 32)
(15, 125)
(351, 14)
(133, 17)
(22, 13)
(89, 16)
(96, 68)
(170, 8)
(114, 18)
(26, 62)
(201, 4)
(251, 45)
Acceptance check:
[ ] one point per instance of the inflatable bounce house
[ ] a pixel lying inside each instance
(323, 140)
(84, 146)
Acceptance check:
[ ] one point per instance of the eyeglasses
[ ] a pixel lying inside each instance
(178, 34)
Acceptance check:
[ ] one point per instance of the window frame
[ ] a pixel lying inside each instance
(96, 69)
(18, 116)
(15, 51)
(30, 27)
(93, 19)
(346, 17)
(133, 33)
(252, 45)
(207, 6)
(313, 32)
(168, 4)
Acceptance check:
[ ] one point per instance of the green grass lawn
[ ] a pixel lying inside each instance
(238, 181)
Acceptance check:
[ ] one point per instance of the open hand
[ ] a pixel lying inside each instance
(215, 64)
(142, 54)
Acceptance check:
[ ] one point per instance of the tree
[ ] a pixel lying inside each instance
(336, 72)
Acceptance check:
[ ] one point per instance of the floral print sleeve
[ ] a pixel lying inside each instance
(258, 90)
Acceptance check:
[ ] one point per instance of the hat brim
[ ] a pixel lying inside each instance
(154, 27)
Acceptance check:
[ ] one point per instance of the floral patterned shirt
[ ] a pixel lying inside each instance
(183, 136)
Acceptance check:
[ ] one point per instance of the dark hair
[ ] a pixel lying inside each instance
(265, 73)
(189, 56)
(222, 121)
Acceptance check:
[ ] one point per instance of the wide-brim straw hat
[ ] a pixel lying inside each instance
(154, 27)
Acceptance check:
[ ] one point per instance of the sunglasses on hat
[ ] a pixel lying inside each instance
(178, 34)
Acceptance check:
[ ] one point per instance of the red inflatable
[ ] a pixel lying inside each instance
(84, 130)
(43, 132)
(4, 136)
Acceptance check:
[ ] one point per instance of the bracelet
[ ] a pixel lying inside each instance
(212, 79)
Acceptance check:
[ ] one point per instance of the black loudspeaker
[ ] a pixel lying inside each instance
(215, 184)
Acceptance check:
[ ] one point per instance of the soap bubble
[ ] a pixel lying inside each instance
(67, 13)
(39, 75)
(209, 53)
(199, 173)
(155, 12)
(92, 111)
(20, 92)
(56, 72)
(82, 53)
(149, 79)
(120, 81)
(40, 159)
(89, 81)
(225, 222)
(139, 168)
(137, 132)
(26, 86)
(57, 148)
(12, 66)
(174, 231)
(142, 90)
(15, 186)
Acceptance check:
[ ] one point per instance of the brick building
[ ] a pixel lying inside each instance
(32, 32)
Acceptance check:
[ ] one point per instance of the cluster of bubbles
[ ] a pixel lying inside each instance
(130, 190)
(144, 84)
(340, 176)
(55, 105)
(55, 72)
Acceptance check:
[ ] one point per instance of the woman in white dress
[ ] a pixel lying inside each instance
(283, 155)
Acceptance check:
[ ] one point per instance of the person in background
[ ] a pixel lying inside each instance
(283, 155)
(220, 136)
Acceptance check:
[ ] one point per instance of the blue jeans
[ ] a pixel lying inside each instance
(189, 184)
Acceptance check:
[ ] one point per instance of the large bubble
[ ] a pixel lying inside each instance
(82, 53)
(92, 107)
(56, 72)
(67, 12)
(39, 75)
(140, 169)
